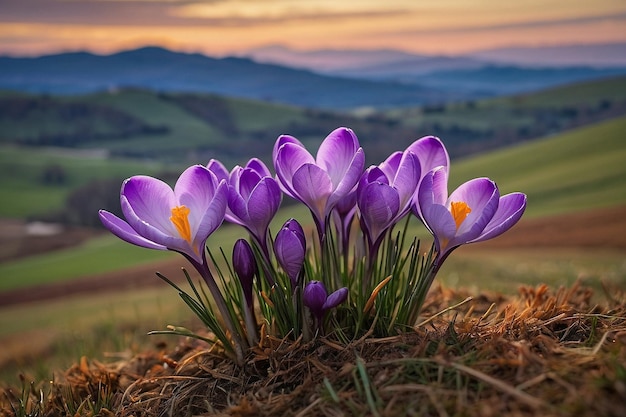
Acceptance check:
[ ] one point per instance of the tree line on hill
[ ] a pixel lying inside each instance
(76, 123)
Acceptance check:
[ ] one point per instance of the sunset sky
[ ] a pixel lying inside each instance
(220, 27)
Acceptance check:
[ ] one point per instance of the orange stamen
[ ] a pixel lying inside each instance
(180, 218)
(459, 211)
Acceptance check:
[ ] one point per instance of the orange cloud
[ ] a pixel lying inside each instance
(224, 26)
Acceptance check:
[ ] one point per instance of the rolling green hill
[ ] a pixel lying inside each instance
(188, 128)
(574, 171)
(52, 146)
(579, 170)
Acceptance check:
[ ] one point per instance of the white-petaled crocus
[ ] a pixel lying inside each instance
(322, 181)
(385, 194)
(290, 249)
(319, 302)
(253, 199)
(180, 220)
(474, 212)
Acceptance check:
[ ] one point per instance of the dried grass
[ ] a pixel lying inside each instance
(544, 352)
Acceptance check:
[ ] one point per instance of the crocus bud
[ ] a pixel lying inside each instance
(290, 248)
(316, 299)
(245, 267)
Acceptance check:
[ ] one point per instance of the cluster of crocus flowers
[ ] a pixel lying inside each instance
(284, 277)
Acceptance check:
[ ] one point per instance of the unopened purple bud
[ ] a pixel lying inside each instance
(314, 297)
(290, 249)
(245, 267)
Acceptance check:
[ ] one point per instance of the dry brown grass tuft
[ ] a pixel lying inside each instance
(544, 352)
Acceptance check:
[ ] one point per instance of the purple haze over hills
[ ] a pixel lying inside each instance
(339, 61)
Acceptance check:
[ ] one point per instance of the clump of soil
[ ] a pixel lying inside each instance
(543, 352)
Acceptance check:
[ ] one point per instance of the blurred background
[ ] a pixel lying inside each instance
(531, 94)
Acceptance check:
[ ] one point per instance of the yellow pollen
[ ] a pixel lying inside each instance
(180, 218)
(459, 211)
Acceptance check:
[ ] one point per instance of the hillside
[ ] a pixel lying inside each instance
(62, 158)
(575, 171)
(572, 183)
(191, 127)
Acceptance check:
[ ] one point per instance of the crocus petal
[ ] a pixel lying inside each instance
(431, 153)
(168, 238)
(247, 181)
(259, 167)
(441, 224)
(289, 159)
(123, 230)
(346, 205)
(433, 189)
(238, 208)
(282, 139)
(214, 215)
(289, 253)
(313, 187)
(197, 188)
(218, 169)
(263, 203)
(510, 210)
(390, 165)
(151, 201)
(406, 179)
(482, 196)
(314, 296)
(379, 204)
(335, 298)
(245, 267)
(336, 153)
(349, 180)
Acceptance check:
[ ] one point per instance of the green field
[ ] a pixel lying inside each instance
(24, 193)
(575, 171)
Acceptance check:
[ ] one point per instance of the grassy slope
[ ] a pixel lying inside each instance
(155, 111)
(512, 112)
(108, 253)
(23, 193)
(565, 173)
(574, 171)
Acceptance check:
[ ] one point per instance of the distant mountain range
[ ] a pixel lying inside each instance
(338, 60)
(482, 73)
(162, 70)
(318, 79)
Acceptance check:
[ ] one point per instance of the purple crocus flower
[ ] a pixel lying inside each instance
(290, 249)
(181, 219)
(245, 267)
(218, 169)
(322, 181)
(253, 199)
(431, 153)
(385, 193)
(474, 212)
(319, 302)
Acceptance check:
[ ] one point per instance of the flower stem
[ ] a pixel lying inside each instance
(205, 272)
